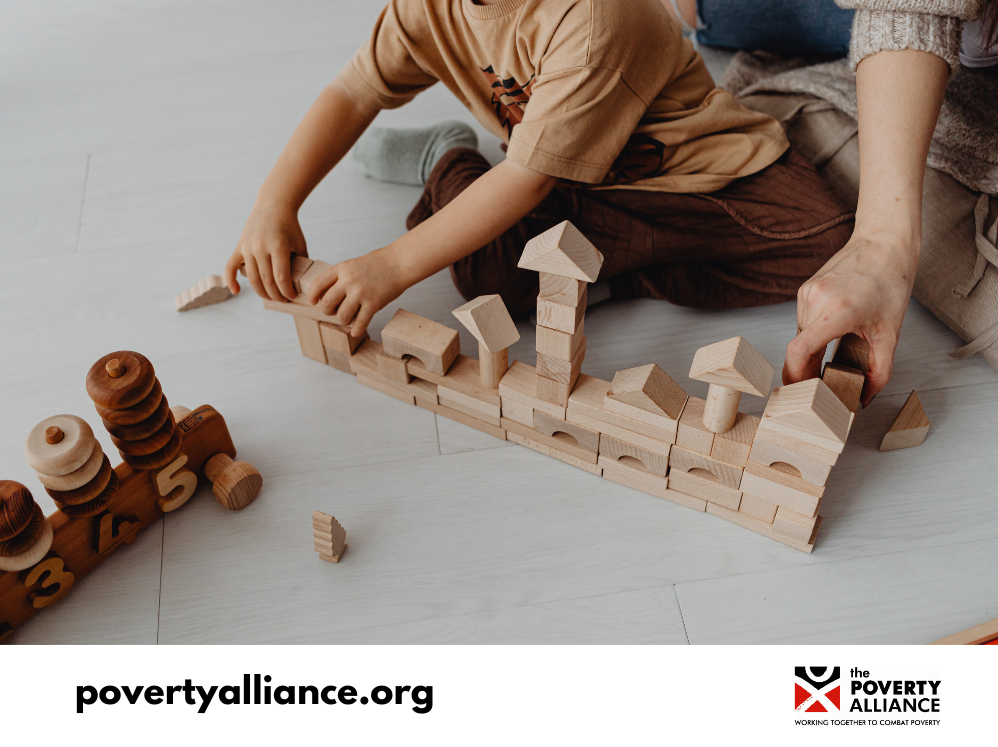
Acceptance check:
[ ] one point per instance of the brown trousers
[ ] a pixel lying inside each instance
(752, 243)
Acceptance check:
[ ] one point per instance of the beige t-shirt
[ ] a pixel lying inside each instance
(617, 98)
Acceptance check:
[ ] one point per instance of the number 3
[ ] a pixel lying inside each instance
(57, 576)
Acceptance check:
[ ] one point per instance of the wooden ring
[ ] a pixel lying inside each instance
(86, 492)
(26, 538)
(127, 390)
(158, 459)
(33, 554)
(76, 478)
(142, 430)
(94, 506)
(155, 442)
(71, 453)
(16, 508)
(135, 413)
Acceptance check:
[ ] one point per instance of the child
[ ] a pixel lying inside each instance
(612, 122)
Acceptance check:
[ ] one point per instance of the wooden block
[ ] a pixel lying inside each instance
(558, 317)
(310, 339)
(386, 387)
(846, 383)
(393, 369)
(633, 456)
(520, 385)
(460, 405)
(299, 266)
(724, 474)
(314, 270)
(563, 251)
(554, 392)
(761, 527)
(488, 320)
(809, 411)
(735, 445)
(338, 338)
(703, 488)
(550, 426)
(492, 366)
(560, 442)
(647, 394)
(519, 412)
(909, 428)
(793, 525)
(460, 417)
(983, 633)
(562, 290)
(585, 405)
(757, 508)
(365, 365)
(734, 364)
(692, 434)
(564, 372)
(435, 345)
(636, 479)
(852, 351)
(300, 307)
(778, 487)
(554, 453)
(329, 542)
(790, 443)
(463, 383)
(808, 469)
(210, 290)
(560, 344)
(339, 361)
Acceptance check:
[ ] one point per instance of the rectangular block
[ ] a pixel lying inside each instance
(757, 508)
(519, 412)
(554, 453)
(724, 474)
(560, 317)
(365, 363)
(310, 339)
(554, 392)
(562, 445)
(586, 402)
(460, 405)
(793, 525)
(735, 445)
(300, 307)
(386, 387)
(635, 479)
(846, 382)
(314, 270)
(393, 369)
(556, 369)
(434, 344)
(299, 266)
(852, 351)
(583, 437)
(693, 434)
(520, 385)
(798, 447)
(460, 417)
(761, 527)
(562, 290)
(560, 344)
(809, 470)
(704, 489)
(338, 338)
(632, 456)
(463, 382)
(783, 489)
(339, 361)
(487, 403)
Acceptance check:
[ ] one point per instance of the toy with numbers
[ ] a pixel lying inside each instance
(641, 430)
(100, 508)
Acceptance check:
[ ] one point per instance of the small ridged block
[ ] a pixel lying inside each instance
(209, 291)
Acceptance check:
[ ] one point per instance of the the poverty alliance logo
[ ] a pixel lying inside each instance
(816, 689)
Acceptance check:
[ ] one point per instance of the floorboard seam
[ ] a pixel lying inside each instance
(682, 617)
(162, 553)
(83, 202)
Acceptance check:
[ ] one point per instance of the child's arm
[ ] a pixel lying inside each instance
(329, 129)
(357, 289)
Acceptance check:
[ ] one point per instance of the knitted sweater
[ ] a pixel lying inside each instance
(926, 25)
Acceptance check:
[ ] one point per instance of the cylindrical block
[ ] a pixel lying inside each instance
(492, 366)
(721, 409)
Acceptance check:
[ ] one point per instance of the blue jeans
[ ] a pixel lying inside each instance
(785, 27)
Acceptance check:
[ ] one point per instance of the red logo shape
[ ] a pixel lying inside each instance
(816, 689)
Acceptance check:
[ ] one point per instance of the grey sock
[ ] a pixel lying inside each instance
(408, 156)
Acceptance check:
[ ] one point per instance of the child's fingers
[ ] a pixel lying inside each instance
(364, 316)
(318, 287)
(231, 267)
(348, 310)
(282, 275)
(266, 270)
(253, 275)
(332, 299)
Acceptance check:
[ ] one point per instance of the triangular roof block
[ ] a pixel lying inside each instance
(648, 388)
(487, 318)
(563, 251)
(810, 407)
(735, 364)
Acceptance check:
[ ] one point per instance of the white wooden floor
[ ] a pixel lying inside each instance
(133, 137)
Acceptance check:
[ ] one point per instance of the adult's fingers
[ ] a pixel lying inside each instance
(364, 316)
(282, 275)
(881, 362)
(253, 275)
(318, 287)
(266, 270)
(330, 302)
(806, 350)
(234, 263)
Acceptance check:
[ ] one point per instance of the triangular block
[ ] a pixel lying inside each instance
(734, 364)
(487, 318)
(910, 427)
(646, 388)
(563, 251)
(810, 408)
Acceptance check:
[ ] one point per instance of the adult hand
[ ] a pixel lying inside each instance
(269, 237)
(863, 289)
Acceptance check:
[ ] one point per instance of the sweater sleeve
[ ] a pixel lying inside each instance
(925, 25)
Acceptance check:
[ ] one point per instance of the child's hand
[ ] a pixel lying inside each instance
(359, 288)
(269, 237)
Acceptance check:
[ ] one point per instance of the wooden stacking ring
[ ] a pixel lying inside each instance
(143, 430)
(33, 554)
(88, 491)
(135, 413)
(94, 506)
(155, 442)
(126, 390)
(157, 459)
(27, 537)
(69, 454)
(76, 478)
(16, 507)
